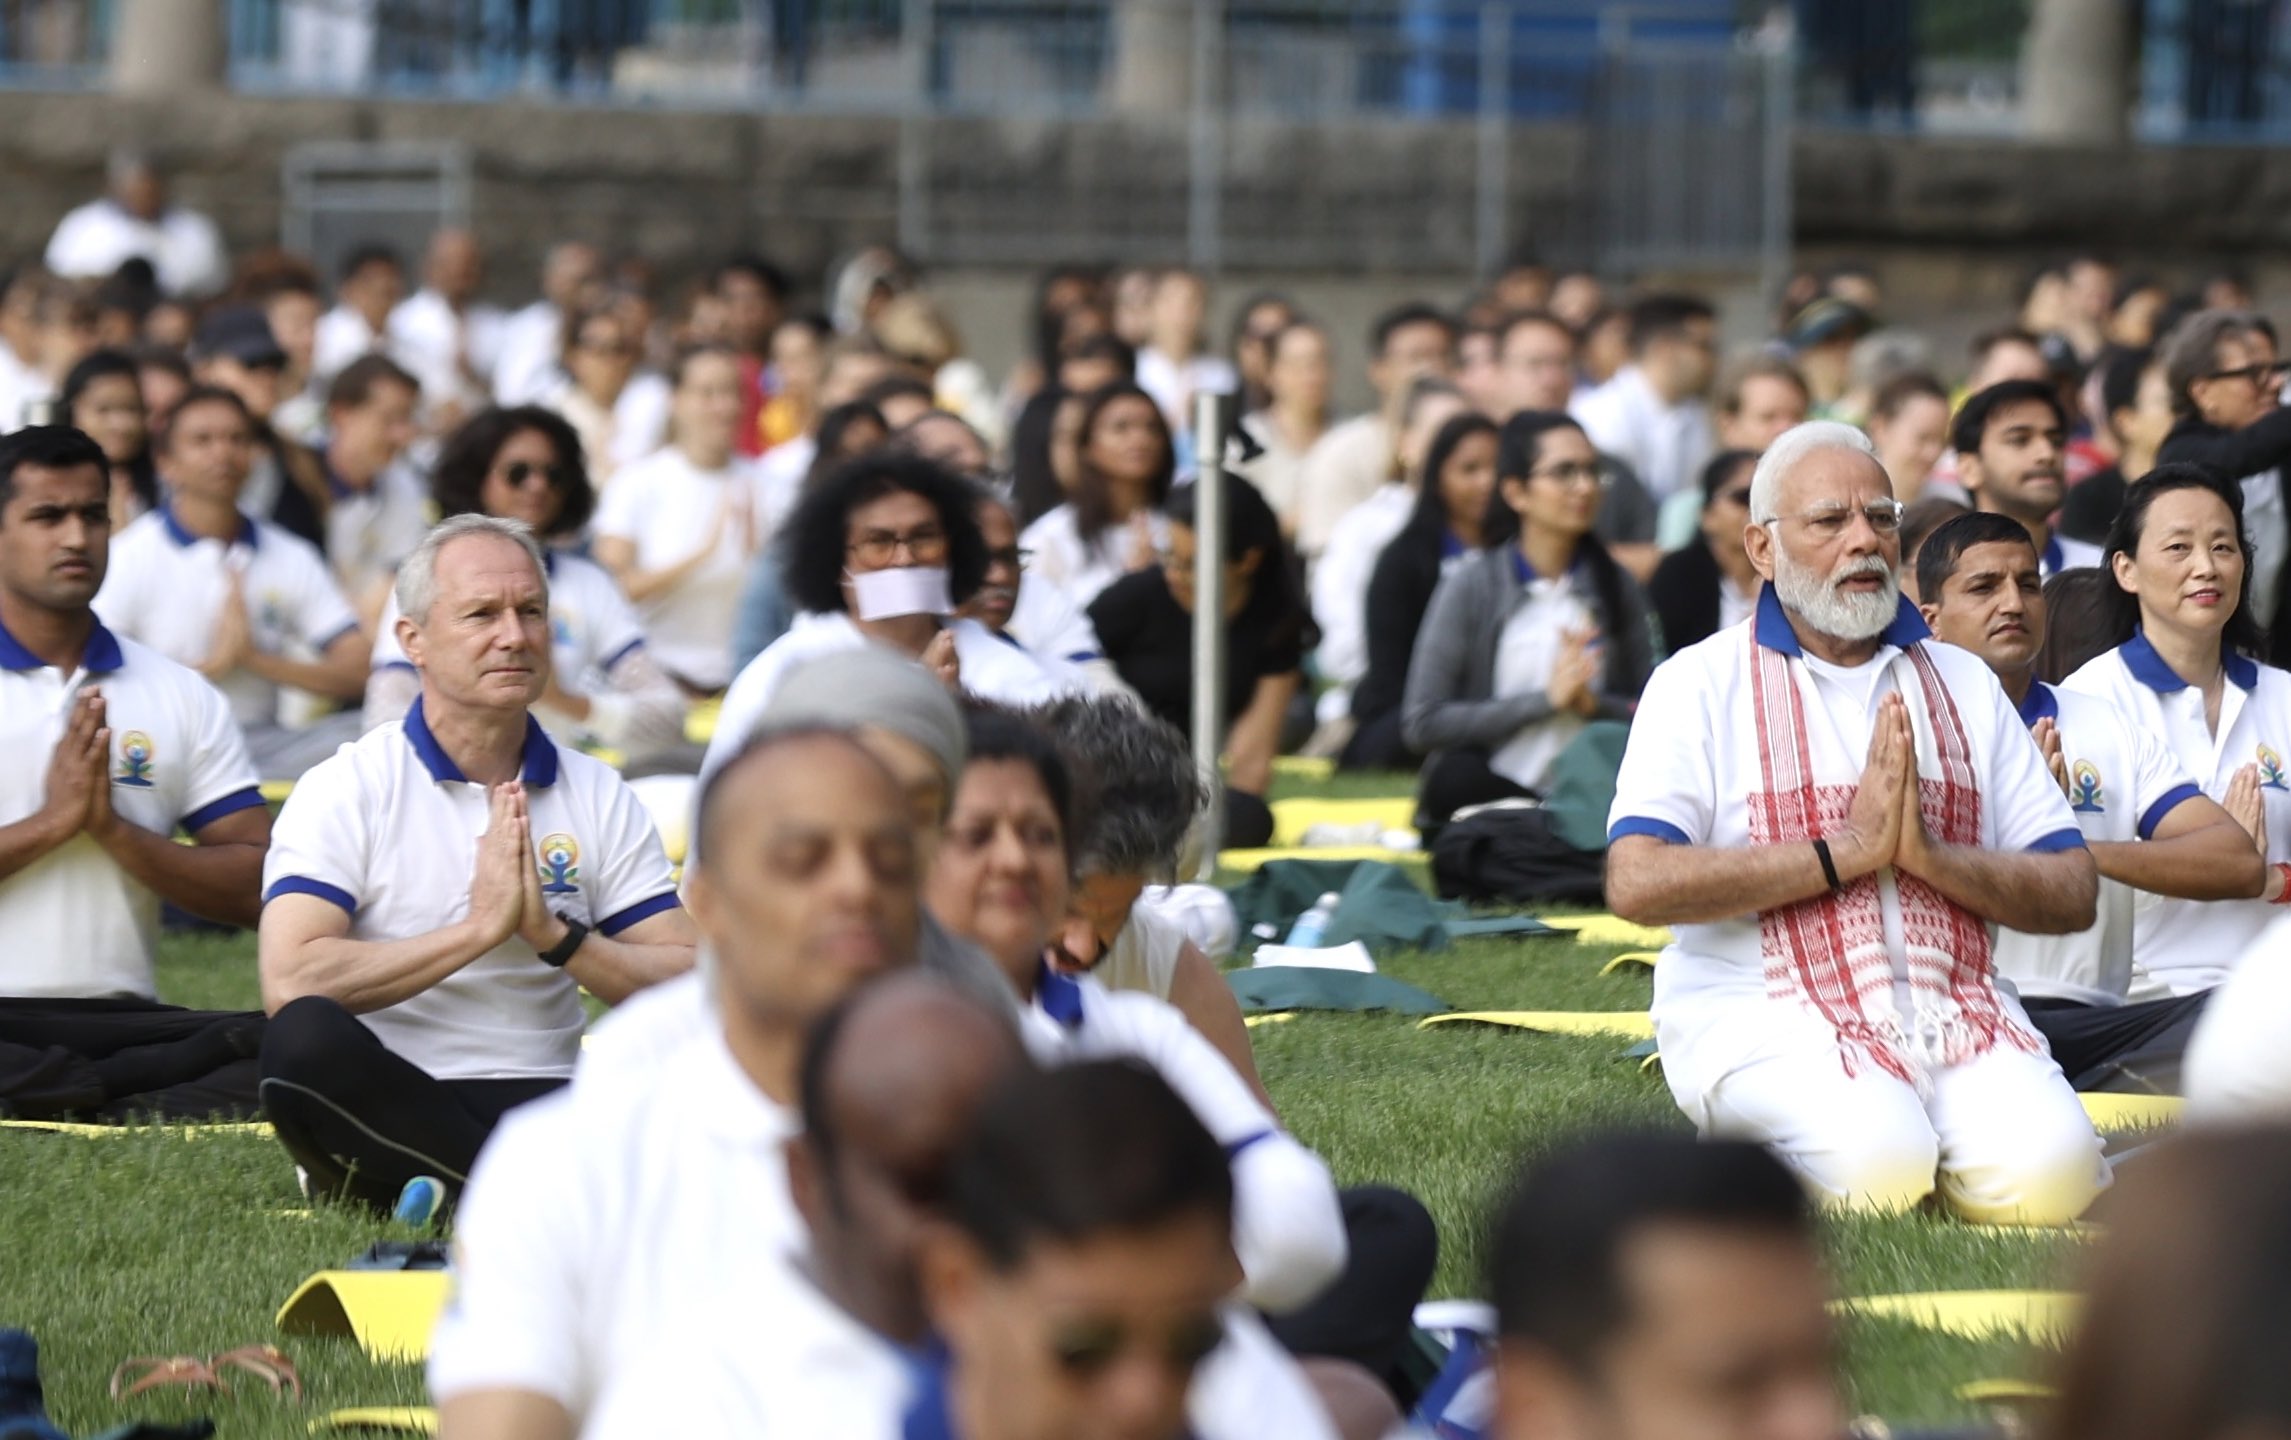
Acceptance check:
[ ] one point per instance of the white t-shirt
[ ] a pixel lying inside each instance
(1052, 626)
(388, 830)
(1693, 758)
(431, 339)
(1174, 383)
(77, 925)
(1079, 571)
(1344, 467)
(1340, 583)
(2192, 945)
(184, 247)
(532, 340)
(1667, 445)
(344, 337)
(612, 440)
(592, 628)
(1527, 652)
(166, 587)
(602, 1221)
(2122, 783)
(370, 532)
(667, 507)
(1143, 956)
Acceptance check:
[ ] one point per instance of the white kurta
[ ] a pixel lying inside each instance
(2004, 1131)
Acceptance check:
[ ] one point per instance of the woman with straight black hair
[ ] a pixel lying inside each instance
(1442, 531)
(1529, 640)
(103, 399)
(1113, 526)
(2185, 669)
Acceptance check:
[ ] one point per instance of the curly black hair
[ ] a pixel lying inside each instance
(817, 532)
(458, 481)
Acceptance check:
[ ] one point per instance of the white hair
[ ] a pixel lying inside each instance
(418, 576)
(1789, 448)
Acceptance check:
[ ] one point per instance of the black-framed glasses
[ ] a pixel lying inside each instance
(1014, 557)
(517, 472)
(879, 548)
(2258, 374)
(1573, 474)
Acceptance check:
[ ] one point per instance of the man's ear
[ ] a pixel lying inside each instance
(410, 641)
(951, 1271)
(2126, 571)
(1931, 612)
(1758, 544)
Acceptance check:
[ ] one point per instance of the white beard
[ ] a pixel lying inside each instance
(1839, 614)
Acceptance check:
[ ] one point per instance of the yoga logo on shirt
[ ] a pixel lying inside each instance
(560, 864)
(136, 756)
(2271, 769)
(2084, 793)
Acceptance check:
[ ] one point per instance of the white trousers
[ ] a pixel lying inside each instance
(2002, 1137)
(2238, 1065)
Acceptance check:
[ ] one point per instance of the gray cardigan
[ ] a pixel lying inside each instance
(1451, 699)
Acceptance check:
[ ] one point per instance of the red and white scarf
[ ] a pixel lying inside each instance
(1828, 953)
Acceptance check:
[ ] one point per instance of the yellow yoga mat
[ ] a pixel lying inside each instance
(1304, 767)
(1609, 930)
(1629, 1024)
(397, 1419)
(276, 791)
(700, 721)
(1277, 1017)
(1258, 859)
(2132, 1112)
(1632, 959)
(107, 1132)
(2044, 1316)
(1292, 818)
(390, 1313)
(2005, 1392)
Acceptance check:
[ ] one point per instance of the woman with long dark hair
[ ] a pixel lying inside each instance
(1113, 524)
(525, 463)
(103, 398)
(1529, 640)
(1442, 531)
(2185, 669)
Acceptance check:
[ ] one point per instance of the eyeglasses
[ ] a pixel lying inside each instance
(879, 548)
(1013, 558)
(1086, 1348)
(1573, 474)
(2258, 374)
(517, 472)
(1829, 522)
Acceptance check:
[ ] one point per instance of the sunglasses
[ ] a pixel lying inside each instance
(1086, 1349)
(517, 472)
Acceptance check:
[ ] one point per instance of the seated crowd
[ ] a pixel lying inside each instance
(1951, 750)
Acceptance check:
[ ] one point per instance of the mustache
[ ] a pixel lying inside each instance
(1855, 569)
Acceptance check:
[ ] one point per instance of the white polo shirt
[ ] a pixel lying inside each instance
(666, 507)
(2122, 782)
(370, 532)
(1080, 570)
(78, 926)
(388, 830)
(603, 1219)
(166, 588)
(592, 627)
(2192, 945)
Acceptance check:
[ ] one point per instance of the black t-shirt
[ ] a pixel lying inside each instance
(2091, 506)
(1149, 638)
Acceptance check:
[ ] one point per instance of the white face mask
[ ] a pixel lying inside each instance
(908, 590)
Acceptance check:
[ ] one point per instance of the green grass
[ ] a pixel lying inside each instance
(150, 1244)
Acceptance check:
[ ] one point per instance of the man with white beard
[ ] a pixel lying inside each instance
(1831, 813)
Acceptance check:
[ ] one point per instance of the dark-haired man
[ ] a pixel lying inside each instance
(1652, 414)
(371, 283)
(380, 507)
(2149, 827)
(113, 749)
(2011, 441)
(1650, 1287)
(1345, 466)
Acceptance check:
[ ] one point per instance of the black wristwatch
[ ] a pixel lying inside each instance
(558, 954)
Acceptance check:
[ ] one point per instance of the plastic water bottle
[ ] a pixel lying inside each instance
(1312, 926)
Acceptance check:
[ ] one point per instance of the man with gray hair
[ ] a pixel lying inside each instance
(2226, 377)
(1832, 813)
(438, 894)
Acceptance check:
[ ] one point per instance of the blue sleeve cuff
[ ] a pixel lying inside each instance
(1662, 830)
(1233, 1151)
(623, 653)
(214, 810)
(642, 910)
(2166, 803)
(304, 885)
(2069, 839)
(394, 665)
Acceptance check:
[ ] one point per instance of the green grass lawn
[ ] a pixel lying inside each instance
(151, 1244)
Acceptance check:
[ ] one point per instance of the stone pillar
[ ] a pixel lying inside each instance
(1153, 56)
(2076, 73)
(166, 47)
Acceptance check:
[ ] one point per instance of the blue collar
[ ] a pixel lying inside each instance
(1450, 546)
(2039, 704)
(248, 535)
(2150, 669)
(930, 1414)
(1059, 997)
(1775, 634)
(100, 656)
(1523, 572)
(540, 769)
(2052, 557)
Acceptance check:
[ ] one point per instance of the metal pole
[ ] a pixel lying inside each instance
(1205, 193)
(1495, 121)
(1211, 410)
(919, 36)
(1780, 46)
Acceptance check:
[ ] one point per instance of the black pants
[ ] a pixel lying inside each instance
(1377, 745)
(361, 1120)
(2125, 1048)
(106, 1060)
(1453, 779)
(1248, 821)
(1368, 1314)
